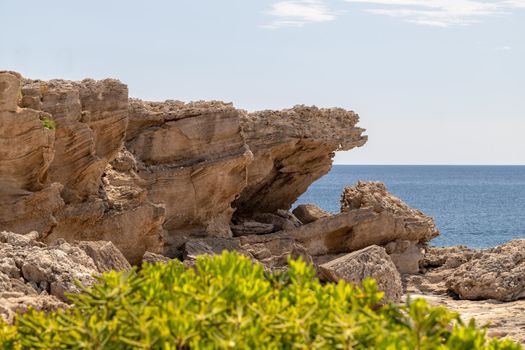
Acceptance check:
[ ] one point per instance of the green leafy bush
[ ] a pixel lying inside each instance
(48, 123)
(228, 303)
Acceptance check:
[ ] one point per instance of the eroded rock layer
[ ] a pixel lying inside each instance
(192, 158)
(81, 161)
(27, 201)
(292, 148)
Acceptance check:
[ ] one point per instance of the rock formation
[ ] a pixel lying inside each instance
(308, 213)
(474, 274)
(336, 234)
(292, 148)
(81, 161)
(271, 250)
(369, 216)
(95, 173)
(192, 159)
(372, 262)
(399, 221)
(33, 274)
(406, 255)
(495, 273)
(27, 203)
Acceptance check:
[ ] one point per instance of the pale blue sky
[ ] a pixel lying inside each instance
(434, 81)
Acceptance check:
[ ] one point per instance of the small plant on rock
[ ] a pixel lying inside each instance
(47, 122)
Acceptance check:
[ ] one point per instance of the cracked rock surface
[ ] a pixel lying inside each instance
(35, 274)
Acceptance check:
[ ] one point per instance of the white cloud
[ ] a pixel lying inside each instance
(440, 13)
(515, 3)
(296, 13)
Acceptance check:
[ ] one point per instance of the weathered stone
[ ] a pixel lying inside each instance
(152, 258)
(271, 250)
(36, 211)
(50, 269)
(406, 255)
(335, 234)
(134, 230)
(369, 216)
(210, 246)
(93, 116)
(192, 158)
(105, 255)
(26, 152)
(148, 176)
(396, 219)
(371, 262)
(9, 90)
(308, 213)
(292, 148)
(251, 228)
(11, 305)
(446, 257)
(274, 250)
(437, 265)
(495, 273)
(281, 220)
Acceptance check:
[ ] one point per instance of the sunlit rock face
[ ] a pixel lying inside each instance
(79, 160)
(192, 158)
(292, 148)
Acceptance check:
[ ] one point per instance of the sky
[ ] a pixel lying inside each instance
(434, 81)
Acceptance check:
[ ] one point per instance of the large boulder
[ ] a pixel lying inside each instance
(371, 262)
(274, 250)
(369, 216)
(336, 234)
(209, 246)
(396, 220)
(445, 258)
(437, 265)
(495, 273)
(406, 255)
(308, 213)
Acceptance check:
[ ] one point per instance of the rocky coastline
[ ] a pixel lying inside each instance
(92, 181)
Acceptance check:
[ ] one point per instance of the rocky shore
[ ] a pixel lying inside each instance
(92, 181)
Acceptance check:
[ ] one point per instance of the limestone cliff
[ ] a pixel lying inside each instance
(82, 161)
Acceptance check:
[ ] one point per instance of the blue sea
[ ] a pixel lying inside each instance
(476, 206)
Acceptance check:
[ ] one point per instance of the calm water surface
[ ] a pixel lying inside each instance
(476, 206)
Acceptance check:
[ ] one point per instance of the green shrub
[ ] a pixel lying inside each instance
(48, 123)
(228, 303)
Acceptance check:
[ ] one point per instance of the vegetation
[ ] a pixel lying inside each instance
(48, 123)
(229, 303)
